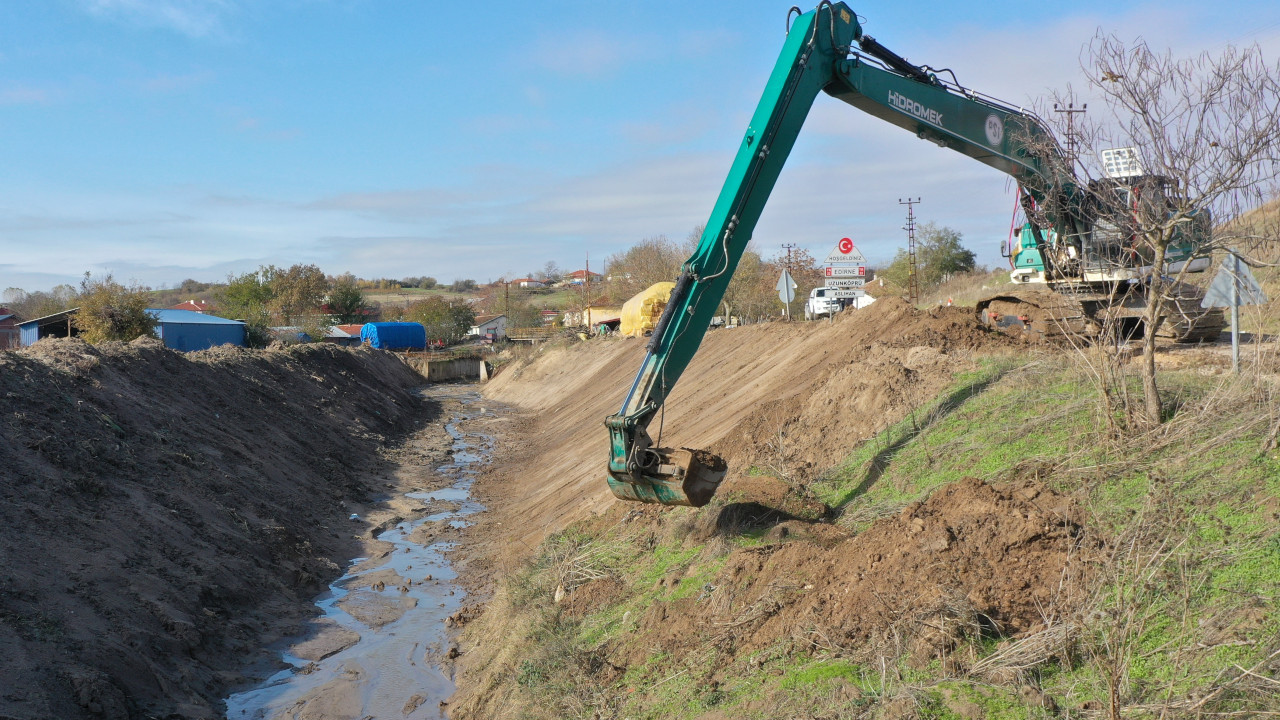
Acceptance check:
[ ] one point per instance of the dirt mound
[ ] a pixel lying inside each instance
(971, 561)
(159, 511)
(895, 322)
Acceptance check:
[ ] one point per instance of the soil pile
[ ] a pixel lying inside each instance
(161, 511)
(971, 561)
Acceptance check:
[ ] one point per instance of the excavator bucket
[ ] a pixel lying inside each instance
(676, 477)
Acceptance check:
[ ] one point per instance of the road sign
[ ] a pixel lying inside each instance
(1233, 285)
(845, 282)
(846, 293)
(786, 287)
(844, 254)
(846, 271)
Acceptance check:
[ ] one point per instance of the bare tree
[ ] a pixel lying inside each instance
(649, 261)
(750, 292)
(804, 269)
(1205, 139)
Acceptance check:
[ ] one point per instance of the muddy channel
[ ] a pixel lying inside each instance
(381, 644)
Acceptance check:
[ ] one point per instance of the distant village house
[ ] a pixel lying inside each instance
(193, 305)
(348, 335)
(9, 333)
(494, 326)
(579, 277)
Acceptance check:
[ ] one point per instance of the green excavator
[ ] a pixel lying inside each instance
(1074, 267)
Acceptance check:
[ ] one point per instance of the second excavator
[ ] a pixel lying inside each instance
(1075, 265)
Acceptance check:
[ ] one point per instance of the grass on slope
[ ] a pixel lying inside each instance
(1184, 620)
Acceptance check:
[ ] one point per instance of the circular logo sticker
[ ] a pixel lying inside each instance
(846, 245)
(995, 129)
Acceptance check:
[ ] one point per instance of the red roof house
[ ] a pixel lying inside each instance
(578, 277)
(199, 306)
(8, 329)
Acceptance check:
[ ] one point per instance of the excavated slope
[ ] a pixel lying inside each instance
(792, 400)
(799, 394)
(163, 516)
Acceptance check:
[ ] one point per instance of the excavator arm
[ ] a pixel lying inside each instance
(819, 54)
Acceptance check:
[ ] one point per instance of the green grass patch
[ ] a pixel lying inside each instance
(990, 421)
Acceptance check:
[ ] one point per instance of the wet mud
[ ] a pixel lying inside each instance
(381, 647)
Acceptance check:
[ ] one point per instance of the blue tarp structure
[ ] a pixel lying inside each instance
(187, 331)
(394, 335)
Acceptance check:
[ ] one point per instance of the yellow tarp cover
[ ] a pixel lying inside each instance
(640, 314)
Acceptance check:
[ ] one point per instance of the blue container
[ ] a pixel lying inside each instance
(394, 335)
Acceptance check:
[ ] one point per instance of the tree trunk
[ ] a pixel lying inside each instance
(1152, 316)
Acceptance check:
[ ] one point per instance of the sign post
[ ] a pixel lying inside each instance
(1232, 287)
(845, 270)
(786, 291)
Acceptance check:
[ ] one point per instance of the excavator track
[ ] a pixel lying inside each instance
(1186, 321)
(1045, 315)
(1039, 314)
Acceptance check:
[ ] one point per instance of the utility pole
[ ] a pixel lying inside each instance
(788, 247)
(913, 282)
(1073, 141)
(586, 297)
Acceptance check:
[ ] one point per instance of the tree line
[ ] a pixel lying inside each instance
(752, 292)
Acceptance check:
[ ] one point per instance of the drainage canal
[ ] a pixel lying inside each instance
(386, 621)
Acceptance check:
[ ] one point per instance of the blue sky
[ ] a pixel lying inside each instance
(165, 139)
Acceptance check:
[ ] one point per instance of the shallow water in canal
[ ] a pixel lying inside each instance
(391, 671)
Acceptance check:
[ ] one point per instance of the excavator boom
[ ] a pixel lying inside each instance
(637, 469)
(825, 51)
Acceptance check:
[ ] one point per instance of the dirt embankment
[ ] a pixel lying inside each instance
(163, 516)
(796, 395)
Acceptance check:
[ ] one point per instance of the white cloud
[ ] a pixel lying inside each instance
(25, 95)
(166, 83)
(193, 18)
(589, 53)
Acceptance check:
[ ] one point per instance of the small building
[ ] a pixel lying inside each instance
(58, 324)
(579, 277)
(528, 283)
(288, 334)
(188, 330)
(10, 336)
(593, 316)
(346, 335)
(193, 305)
(549, 317)
(490, 325)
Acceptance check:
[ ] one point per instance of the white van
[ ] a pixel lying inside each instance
(820, 305)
